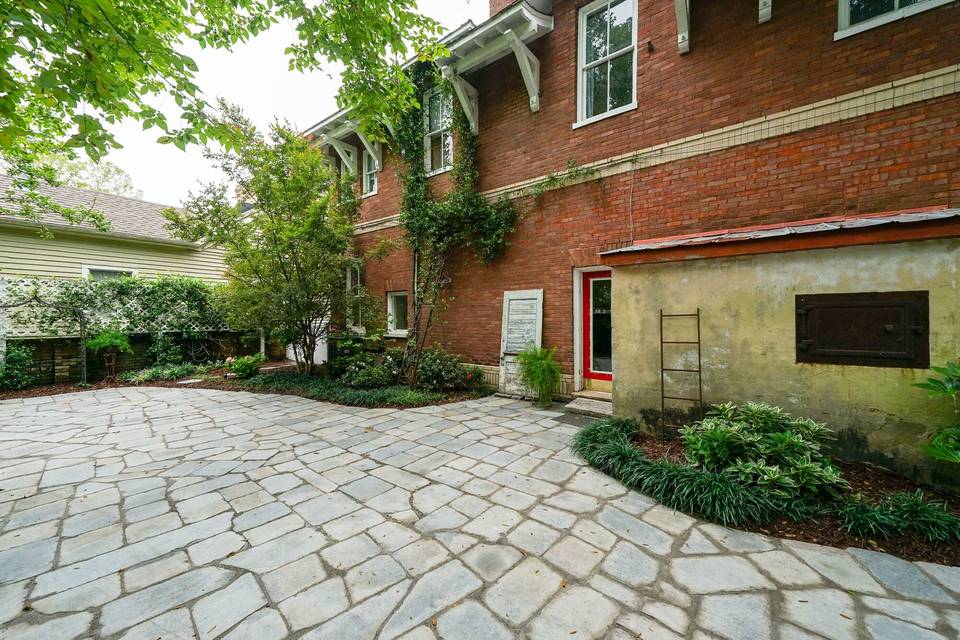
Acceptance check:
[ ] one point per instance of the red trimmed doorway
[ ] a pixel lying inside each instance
(597, 330)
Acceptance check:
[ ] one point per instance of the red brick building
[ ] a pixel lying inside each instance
(692, 116)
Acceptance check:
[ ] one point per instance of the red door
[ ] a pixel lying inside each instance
(597, 326)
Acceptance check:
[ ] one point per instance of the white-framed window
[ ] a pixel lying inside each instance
(397, 313)
(354, 315)
(438, 137)
(106, 273)
(607, 60)
(856, 16)
(369, 174)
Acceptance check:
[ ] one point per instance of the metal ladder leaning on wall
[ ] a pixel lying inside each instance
(665, 425)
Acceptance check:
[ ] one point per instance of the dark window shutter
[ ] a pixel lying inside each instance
(889, 329)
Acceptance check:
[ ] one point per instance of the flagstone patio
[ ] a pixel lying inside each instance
(178, 513)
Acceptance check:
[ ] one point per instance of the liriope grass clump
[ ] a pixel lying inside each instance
(898, 513)
(606, 445)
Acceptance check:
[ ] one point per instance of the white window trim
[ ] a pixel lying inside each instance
(583, 121)
(87, 268)
(364, 173)
(427, 134)
(845, 29)
(391, 332)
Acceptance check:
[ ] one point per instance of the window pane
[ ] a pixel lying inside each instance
(601, 350)
(398, 311)
(596, 35)
(447, 149)
(98, 274)
(621, 80)
(596, 93)
(436, 152)
(621, 25)
(435, 115)
(861, 10)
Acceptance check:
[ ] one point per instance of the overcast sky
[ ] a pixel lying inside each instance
(255, 76)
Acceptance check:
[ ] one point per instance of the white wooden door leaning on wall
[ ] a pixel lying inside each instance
(521, 328)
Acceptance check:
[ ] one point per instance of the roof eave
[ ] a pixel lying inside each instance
(104, 235)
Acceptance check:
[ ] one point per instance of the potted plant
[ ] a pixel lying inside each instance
(110, 343)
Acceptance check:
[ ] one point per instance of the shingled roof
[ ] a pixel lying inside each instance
(128, 217)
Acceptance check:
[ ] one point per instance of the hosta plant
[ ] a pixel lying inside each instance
(765, 447)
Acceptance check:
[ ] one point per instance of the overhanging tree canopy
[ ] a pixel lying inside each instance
(69, 70)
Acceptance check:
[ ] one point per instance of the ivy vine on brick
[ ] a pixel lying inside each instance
(438, 226)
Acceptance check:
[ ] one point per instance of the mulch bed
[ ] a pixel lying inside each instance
(873, 482)
(215, 379)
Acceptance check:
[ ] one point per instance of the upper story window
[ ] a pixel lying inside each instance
(859, 15)
(607, 55)
(369, 174)
(438, 140)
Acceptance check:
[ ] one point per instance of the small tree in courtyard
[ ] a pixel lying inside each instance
(288, 243)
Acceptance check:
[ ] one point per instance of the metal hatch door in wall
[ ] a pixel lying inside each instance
(522, 327)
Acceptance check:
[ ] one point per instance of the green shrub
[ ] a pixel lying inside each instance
(438, 370)
(244, 367)
(540, 371)
(475, 377)
(15, 367)
(764, 447)
(161, 373)
(165, 351)
(333, 391)
(372, 376)
(110, 340)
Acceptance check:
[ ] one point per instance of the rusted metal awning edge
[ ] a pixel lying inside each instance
(826, 232)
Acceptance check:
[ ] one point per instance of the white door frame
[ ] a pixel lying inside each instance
(578, 380)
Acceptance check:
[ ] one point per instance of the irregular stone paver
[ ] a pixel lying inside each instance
(141, 513)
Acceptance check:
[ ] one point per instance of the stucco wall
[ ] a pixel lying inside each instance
(24, 253)
(748, 341)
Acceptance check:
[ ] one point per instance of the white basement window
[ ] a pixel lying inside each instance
(607, 60)
(857, 16)
(438, 141)
(369, 174)
(397, 313)
(106, 273)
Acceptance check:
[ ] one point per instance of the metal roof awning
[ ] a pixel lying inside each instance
(814, 233)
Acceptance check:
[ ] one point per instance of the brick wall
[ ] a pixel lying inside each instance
(737, 70)
(892, 160)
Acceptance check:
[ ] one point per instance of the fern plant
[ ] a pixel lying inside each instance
(540, 371)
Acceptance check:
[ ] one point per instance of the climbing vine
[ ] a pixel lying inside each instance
(437, 226)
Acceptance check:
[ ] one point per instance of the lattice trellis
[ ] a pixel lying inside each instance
(126, 312)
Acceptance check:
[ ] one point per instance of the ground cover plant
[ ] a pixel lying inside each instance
(758, 468)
